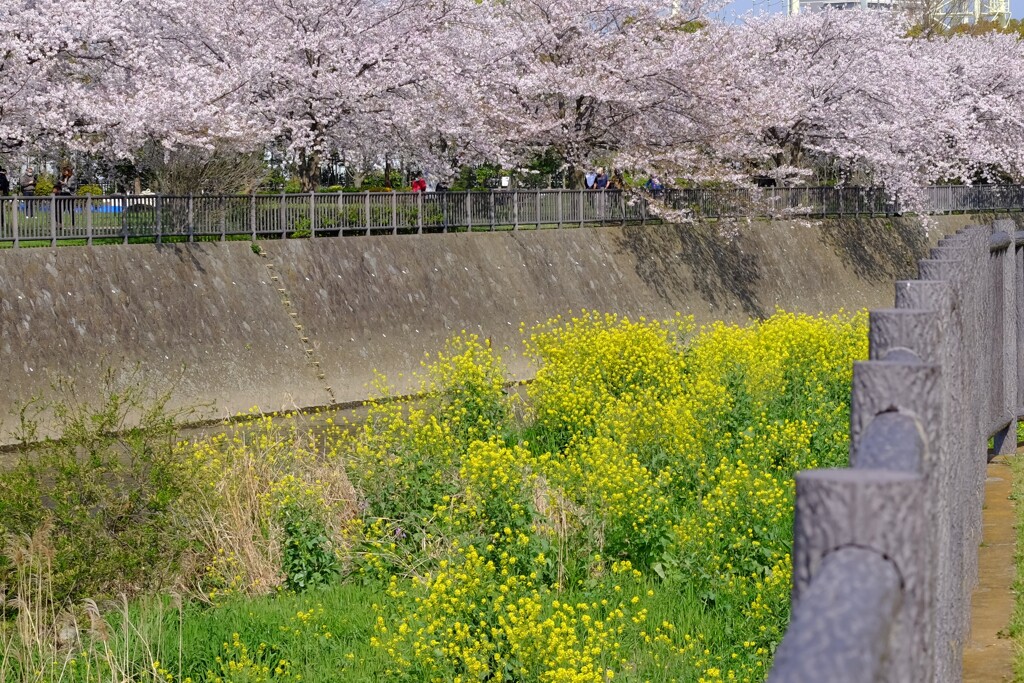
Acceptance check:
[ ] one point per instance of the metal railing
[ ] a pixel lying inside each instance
(885, 552)
(159, 217)
(841, 201)
(122, 218)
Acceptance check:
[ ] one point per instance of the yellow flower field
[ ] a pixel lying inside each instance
(625, 517)
(634, 523)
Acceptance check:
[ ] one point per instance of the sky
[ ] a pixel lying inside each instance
(740, 7)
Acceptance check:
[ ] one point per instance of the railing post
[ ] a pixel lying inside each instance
(312, 214)
(159, 211)
(887, 395)
(394, 213)
(955, 266)
(191, 218)
(342, 215)
(88, 219)
(366, 213)
(14, 222)
(875, 517)
(469, 211)
(537, 197)
(223, 217)
(1019, 317)
(970, 248)
(252, 216)
(283, 216)
(53, 220)
(1005, 441)
(560, 190)
(515, 209)
(490, 208)
(124, 217)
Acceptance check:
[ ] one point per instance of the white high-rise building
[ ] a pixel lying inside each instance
(953, 12)
(798, 6)
(949, 12)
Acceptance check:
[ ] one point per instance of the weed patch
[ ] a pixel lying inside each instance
(630, 518)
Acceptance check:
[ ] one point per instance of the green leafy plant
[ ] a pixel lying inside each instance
(302, 228)
(86, 190)
(105, 491)
(44, 185)
(308, 557)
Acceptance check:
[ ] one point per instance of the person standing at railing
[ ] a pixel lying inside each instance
(5, 190)
(654, 186)
(68, 180)
(27, 187)
(68, 183)
(601, 184)
(62, 203)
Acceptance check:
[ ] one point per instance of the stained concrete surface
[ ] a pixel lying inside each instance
(206, 322)
(383, 302)
(199, 320)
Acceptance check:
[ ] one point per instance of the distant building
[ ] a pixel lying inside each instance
(798, 6)
(954, 12)
(948, 12)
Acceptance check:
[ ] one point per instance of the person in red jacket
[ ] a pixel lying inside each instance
(419, 185)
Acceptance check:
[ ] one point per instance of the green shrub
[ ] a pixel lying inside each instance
(94, 190)
(293, 186)
(103, 495)
(44, 185)
(368, 188)
(302, 228)
(308, 559)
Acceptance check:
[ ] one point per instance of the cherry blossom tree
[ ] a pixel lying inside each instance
(43, 50)
(444, 83)
(568, 75)
(982, 121)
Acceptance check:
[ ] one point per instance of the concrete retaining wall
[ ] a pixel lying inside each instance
(202, 320)
(210, 320)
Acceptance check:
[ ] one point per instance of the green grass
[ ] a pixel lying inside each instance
(676, 550)
(322, 635)
(1017, 622)
(331, 643)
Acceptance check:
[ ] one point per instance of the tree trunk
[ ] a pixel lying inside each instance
(573, 178)
(387, 172)
(309, 171)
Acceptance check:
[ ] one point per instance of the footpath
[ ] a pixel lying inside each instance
(989, 651)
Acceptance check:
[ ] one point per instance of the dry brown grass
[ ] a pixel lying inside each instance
(48, 642)
(242, 480)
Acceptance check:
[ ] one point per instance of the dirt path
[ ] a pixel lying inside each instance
(988, 655)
